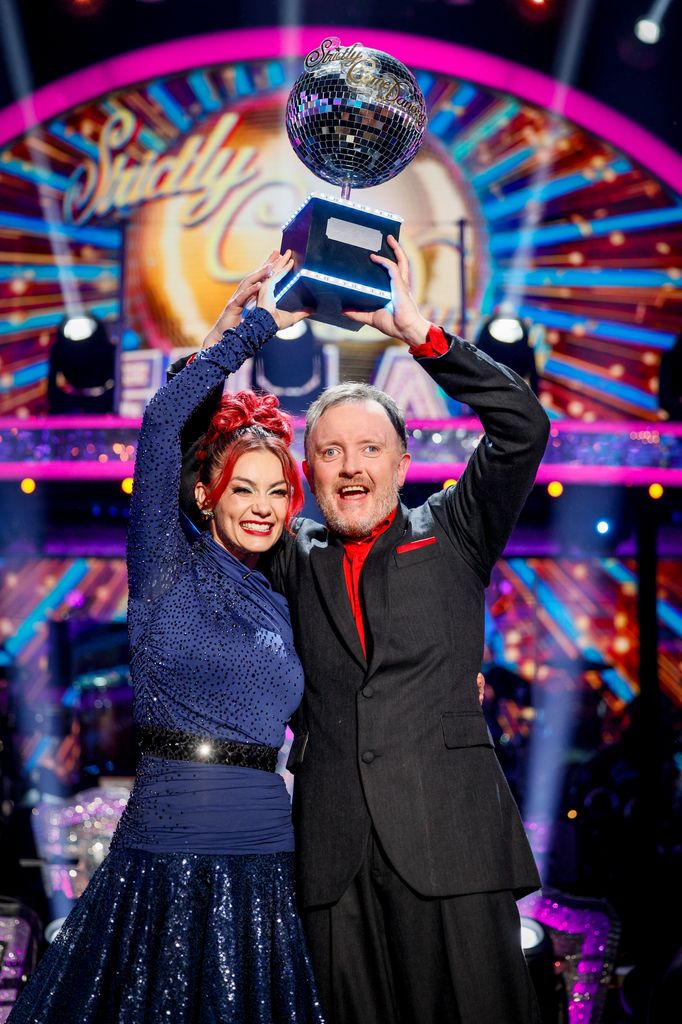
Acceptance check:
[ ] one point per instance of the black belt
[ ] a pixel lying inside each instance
(183, 746)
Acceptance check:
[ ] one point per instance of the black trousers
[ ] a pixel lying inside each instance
(385, 955)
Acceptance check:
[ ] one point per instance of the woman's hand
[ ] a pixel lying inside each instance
(246, 291)
(266, 295)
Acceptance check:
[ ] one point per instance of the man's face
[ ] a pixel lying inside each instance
(355, 466)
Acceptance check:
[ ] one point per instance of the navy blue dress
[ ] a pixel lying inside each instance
(191, 918)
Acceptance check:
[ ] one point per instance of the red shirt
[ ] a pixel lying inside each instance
(356, 551)
(355, 556)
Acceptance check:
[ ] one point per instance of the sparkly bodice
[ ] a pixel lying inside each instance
(211, 643)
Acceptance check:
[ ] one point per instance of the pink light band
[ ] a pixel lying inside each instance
(416, 51)
(419, 472)
(564, 426)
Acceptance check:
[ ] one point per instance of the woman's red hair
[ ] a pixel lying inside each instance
(242, 423)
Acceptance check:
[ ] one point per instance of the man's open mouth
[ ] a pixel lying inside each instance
(352, 492)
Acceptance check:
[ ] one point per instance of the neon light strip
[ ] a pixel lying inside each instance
(601, 383)
(499, 170)
(468, 423)
(608, 329)
(38, 320)
(204, 91)
(104, 237)
(26, 631)
(562, 186)
(429, 54)
(41, 274)
(78, 142)
(591, 278)
(507, 241)
(483, 129)
(564, 620)
(38, 175)
(173, 111)
(668, 615)
(105, 422)
(419, 473)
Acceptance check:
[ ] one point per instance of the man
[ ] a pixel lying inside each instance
(411, 850)
(410, 846)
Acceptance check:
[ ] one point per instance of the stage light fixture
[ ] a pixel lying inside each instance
(505, 338)
(532, 934)
(602, 526)
(538, 951)
(648, 29)
(53, 928)
(82, 367)
(506, 329)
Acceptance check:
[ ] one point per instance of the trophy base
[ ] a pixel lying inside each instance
(331, 240)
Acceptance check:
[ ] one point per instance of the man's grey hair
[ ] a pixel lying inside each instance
(352, 391)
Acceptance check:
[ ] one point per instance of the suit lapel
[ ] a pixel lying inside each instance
(374, 588)
(327, 565)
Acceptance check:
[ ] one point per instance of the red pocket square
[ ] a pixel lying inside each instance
(414, 544)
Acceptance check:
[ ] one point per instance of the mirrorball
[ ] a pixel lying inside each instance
(356, 116)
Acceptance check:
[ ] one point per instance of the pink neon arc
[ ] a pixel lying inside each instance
(420, 472)
(564, 426)
(416, 51)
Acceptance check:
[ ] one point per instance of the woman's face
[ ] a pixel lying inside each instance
(250, 514)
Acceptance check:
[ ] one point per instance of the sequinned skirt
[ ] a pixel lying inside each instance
(179, 937)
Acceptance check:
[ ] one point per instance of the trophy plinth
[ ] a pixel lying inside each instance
(355, 118)
(330, 240)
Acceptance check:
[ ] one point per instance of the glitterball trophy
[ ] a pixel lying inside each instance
(355, 117)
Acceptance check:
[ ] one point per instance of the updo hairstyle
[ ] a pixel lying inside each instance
(246, 422)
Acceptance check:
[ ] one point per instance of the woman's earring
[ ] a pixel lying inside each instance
(207, 513)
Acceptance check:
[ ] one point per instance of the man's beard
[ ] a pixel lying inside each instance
(384, 503)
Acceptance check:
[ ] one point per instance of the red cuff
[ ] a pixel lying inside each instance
(436, 344)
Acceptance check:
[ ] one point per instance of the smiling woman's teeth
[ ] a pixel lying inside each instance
(257, 527)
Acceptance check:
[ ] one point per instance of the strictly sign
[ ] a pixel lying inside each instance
(203, 213)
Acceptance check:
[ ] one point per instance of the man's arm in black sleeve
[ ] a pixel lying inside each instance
(483, 508)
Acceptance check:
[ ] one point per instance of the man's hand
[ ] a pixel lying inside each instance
(480, 683)
(401, 318)
(246, 291)
(266, 293)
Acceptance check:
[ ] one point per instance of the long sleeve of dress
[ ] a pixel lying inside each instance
(483, 508)
(156, 542)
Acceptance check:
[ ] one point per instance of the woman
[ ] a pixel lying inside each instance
(191, 917)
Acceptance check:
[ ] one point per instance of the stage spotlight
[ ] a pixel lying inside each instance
(82, 368)
(539, 953)
(506, 329)
(506, 339)
(602, 526)
(648, 29)
(532, 934)
(53, 928)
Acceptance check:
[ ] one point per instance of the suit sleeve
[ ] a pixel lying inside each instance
(481, 511)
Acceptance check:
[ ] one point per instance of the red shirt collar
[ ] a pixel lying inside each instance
(352, 544)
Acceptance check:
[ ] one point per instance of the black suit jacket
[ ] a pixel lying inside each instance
(399, 740)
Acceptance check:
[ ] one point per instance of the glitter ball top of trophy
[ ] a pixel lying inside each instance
(356, 116)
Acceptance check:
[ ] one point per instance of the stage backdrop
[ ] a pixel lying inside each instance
(145, 188)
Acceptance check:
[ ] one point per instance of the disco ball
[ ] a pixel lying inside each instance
(356, 116)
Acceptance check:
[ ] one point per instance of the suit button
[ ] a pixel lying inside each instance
(368, 756)
(368, 691)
